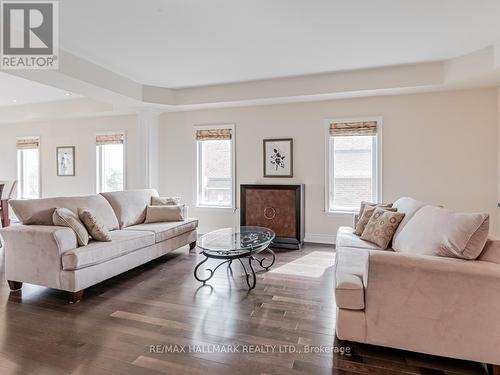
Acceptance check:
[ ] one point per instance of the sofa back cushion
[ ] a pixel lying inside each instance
(439, 231)
(409, 207)
(130, 205)
(491, 251)
(40, 211)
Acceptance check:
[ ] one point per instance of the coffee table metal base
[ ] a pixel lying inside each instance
(251, 279)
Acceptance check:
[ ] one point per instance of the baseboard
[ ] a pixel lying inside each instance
(320, 238)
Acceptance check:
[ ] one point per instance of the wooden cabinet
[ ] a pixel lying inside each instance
(277, 207)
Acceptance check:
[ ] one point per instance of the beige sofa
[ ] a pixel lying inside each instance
(38, 252)
(429, 304)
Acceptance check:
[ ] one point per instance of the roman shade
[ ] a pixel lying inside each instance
(109, 139)
(26, 143)
(343, 129)
(213, 134)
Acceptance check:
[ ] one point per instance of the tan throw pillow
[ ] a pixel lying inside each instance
(368, 204)
(365, 217)
(67, 218)
(94, 224)
(442, 232)
(382, 226)
(156, 214)
(165, 201)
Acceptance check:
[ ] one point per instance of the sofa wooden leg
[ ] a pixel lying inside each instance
(192, 245)
(15, 285)
(74, 297)
(494, 369)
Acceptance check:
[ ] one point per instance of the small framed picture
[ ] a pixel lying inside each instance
(65, 160)
(278, 157)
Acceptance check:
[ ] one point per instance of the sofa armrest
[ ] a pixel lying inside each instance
(437, 305)
(33, 252)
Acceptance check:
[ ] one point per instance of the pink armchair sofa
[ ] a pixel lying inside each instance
(429, 304)
(40, 253)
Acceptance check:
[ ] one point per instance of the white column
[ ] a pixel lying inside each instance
(149, 122)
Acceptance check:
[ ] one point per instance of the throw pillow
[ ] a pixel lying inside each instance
(365, 217)
(67, 218)
(368, 204)
(382, 226)
(94, 224)
(165, 201)
(156, 214)
(442, 232)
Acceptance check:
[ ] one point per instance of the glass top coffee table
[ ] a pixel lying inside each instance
(239, 243)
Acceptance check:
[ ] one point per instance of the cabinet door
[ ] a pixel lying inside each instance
(274, 209)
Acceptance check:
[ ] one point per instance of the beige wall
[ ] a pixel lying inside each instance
(437, 147)
(70, 132)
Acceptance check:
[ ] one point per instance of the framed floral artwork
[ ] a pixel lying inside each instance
(65, 160)
(278, 157)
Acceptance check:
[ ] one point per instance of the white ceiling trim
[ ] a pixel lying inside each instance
(478, 69)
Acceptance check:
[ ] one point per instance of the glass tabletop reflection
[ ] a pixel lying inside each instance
(237, 240)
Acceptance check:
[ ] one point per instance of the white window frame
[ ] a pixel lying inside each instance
(196, 172)
(19, 164)
(98, 170)
(376, 160)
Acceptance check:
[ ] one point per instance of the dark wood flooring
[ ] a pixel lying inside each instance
(113, 329)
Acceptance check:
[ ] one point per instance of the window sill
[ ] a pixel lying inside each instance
(214, 209)
(340, 213)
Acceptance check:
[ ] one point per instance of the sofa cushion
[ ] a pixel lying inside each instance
(165, 231)
(366, 216)
(159, 214)
(381, 227)
(365, 204)
(40, 211)
(94, 224)
(409, 207)
(442, 232)
(165, 201)
(491, 251)
(349, 292)
(123, 242)
(346, 238)
(130, 205)
(66, 218)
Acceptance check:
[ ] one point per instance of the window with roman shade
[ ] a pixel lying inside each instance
(213, 134)
(26, 143)
(353, 164)
(110, 139)
(28, 167)
(215, 166)
(110, 162)
(346, 129)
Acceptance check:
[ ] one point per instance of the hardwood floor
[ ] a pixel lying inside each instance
(127, 324)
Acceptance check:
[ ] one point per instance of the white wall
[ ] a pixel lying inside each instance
(437, 147)
(70, 132)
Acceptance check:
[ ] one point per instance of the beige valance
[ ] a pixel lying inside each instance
(27, 143)
(338, 129)
(110, 139)
(213, 134)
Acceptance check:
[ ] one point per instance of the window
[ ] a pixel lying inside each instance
(215, 166)
(110, 156)
(353, 165)
(28, 167)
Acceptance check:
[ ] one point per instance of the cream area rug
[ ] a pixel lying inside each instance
(313, 265)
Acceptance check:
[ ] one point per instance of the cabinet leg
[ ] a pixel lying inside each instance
(493, 369)
(14, 285)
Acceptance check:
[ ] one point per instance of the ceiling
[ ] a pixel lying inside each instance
(16, 91)
(186, 43)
